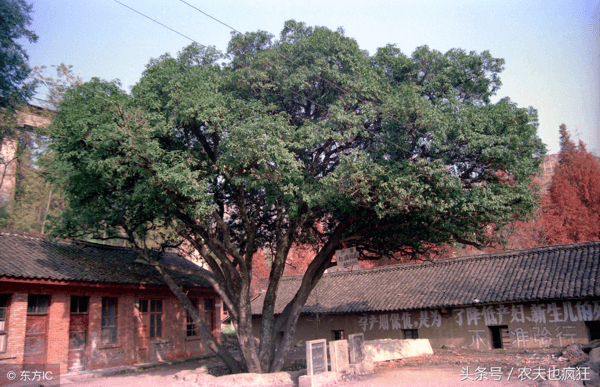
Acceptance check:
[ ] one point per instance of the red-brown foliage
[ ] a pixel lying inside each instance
(571, 211)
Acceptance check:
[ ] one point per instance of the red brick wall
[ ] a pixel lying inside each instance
(58, 331)
(173, 344)
(111, 355)
(17, 316)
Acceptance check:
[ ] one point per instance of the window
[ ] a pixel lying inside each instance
(143, 306)
(155, 318)
(338, 335)
(4, 301)
(191, 328)
(37, 304)
(109, 320)
(411, 333)
(209, 304)
(79, 304)
(154, 309)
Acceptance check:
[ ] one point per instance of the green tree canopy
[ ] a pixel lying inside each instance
(14, 67)
(305, 139)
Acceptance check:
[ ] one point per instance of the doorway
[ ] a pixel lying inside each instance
(36, 329)
(593, 329)
(78, 327)
(500, 336)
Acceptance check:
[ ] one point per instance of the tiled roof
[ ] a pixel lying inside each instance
(33, 256)
(549, 273)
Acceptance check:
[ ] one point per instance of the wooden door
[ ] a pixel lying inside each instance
(36, 337)
(209, 309)
(78, 326)
(78, 329)
(143, 340)
(36, 329)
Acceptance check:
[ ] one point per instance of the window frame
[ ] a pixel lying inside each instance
(191, 330)
(149, 307)
(339, 334)
(105, 325)
(38, 309)
(155, 327)
(79, 304)
(414, 333)
(4, 316)
(209, 304)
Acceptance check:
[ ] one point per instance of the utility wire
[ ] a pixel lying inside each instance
(289, 60)
(281, 55)
(157, 22)
(215, 19)
(187, 37)
(179, 33)
(292, 61)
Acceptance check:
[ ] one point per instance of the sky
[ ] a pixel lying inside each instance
(551, 48)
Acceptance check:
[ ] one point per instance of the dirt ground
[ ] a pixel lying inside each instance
(449, 367)
(446, 367)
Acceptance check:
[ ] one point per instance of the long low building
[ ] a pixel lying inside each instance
(86, 306)
(532, 298)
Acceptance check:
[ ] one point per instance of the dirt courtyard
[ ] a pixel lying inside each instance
(397, 375)
(446, 367)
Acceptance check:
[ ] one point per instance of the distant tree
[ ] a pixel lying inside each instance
(571, 210)
(15, 17)
(37, 196)
(15, 90)
(33, 199)
(306, 140)
(55, 86)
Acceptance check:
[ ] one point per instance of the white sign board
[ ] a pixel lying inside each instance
(347, 257)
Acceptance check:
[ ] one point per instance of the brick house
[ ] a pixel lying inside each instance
(86, 306)
(532, 298)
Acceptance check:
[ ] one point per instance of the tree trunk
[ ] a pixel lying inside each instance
(289, 317)
(248, 345)
(268, 335)
(47, 209)
(204, 331)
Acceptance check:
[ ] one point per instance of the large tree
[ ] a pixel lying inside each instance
(306, 139)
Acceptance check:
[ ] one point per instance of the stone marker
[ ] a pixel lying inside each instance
(338, 355)
(316, 357)
(356, 342)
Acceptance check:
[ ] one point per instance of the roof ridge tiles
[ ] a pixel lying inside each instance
(454, 260)
(544, 274)
(35, 256)
(69, 241)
